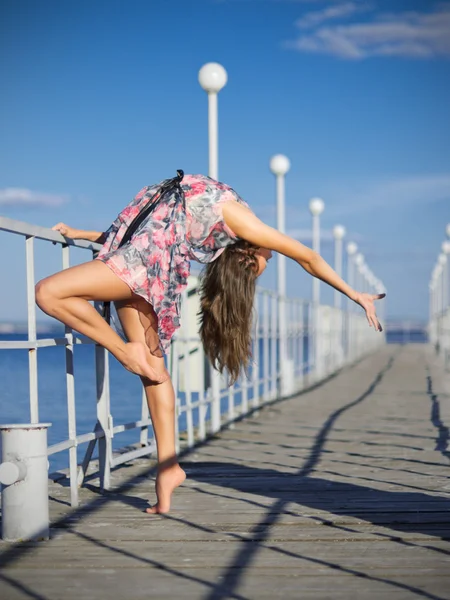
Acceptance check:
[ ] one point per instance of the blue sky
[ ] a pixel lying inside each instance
(100, 98)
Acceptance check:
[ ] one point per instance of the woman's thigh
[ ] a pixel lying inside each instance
(91, 281)
(140, 324)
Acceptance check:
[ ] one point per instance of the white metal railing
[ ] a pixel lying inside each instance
(439, 287)
(319, 340)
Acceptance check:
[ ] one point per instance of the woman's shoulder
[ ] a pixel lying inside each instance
(191, 179)
(197, 185)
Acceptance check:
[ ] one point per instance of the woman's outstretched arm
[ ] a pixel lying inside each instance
(247, 226)
(79, 234)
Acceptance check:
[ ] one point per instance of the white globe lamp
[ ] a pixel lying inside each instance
(352, 248)
(212, 77)
(316, 206)
(280, 164)
(339, 232)
(359, 259)
(446, 247)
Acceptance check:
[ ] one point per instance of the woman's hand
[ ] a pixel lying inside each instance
(367, 303)
(66, 231)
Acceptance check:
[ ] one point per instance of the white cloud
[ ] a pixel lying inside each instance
(28, 198)
(338, 11)
(409, 35)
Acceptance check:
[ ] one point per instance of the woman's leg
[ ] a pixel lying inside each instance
(140, 324)
(66, 296)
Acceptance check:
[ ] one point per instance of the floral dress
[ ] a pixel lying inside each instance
(186, 224)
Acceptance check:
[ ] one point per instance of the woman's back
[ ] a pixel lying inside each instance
(186, 223)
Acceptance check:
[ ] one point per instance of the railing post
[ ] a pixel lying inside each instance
(71, 410)
(266, 357)
(104, 418)
(202, 406)
(173, 368)
(273, 347)
(32, 352)
(256, 353)
(215, 400)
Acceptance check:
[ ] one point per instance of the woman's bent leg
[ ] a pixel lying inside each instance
(66, 296)
(139, 323)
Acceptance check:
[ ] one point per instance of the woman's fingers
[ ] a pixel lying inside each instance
(372, 318)
(61, 227)
(65, 230)
(378, 296)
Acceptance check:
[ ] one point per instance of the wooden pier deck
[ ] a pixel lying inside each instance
(339, 493)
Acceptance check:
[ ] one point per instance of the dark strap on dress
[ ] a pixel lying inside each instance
(166, 187)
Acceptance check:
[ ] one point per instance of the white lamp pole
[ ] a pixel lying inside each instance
(447, 230)
(339, 234)
(446, 292)
(359, 261)
(442, 260)
(280, 165)
(213, 77)
(316, 207)
(352, 249)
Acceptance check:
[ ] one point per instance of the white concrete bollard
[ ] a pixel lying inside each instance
(24, 479)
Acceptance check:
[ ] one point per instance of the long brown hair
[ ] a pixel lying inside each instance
(227, 293)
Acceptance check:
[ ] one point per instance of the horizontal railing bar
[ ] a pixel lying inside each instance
(87, 437)
(43, 343)
(43, 233)
(80, 439)
(132, 454)
(132, 425)
(194, 404)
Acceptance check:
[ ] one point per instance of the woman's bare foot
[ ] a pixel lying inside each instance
(136, 361)
(167, 479)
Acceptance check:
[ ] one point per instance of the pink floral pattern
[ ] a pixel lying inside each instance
(185, 225)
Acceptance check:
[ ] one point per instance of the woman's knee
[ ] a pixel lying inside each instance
(45, 295)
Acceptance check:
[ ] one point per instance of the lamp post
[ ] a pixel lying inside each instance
(213, 77)
(338, 234)
(352, 249)
(316, 208)
(359, 261)
(446, 251)
(442, 260)
(280, 165)
(338, 318)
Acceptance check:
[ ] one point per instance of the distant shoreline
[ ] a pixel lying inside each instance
(20, 328)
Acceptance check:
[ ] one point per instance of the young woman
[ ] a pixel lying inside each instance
(143, 267)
